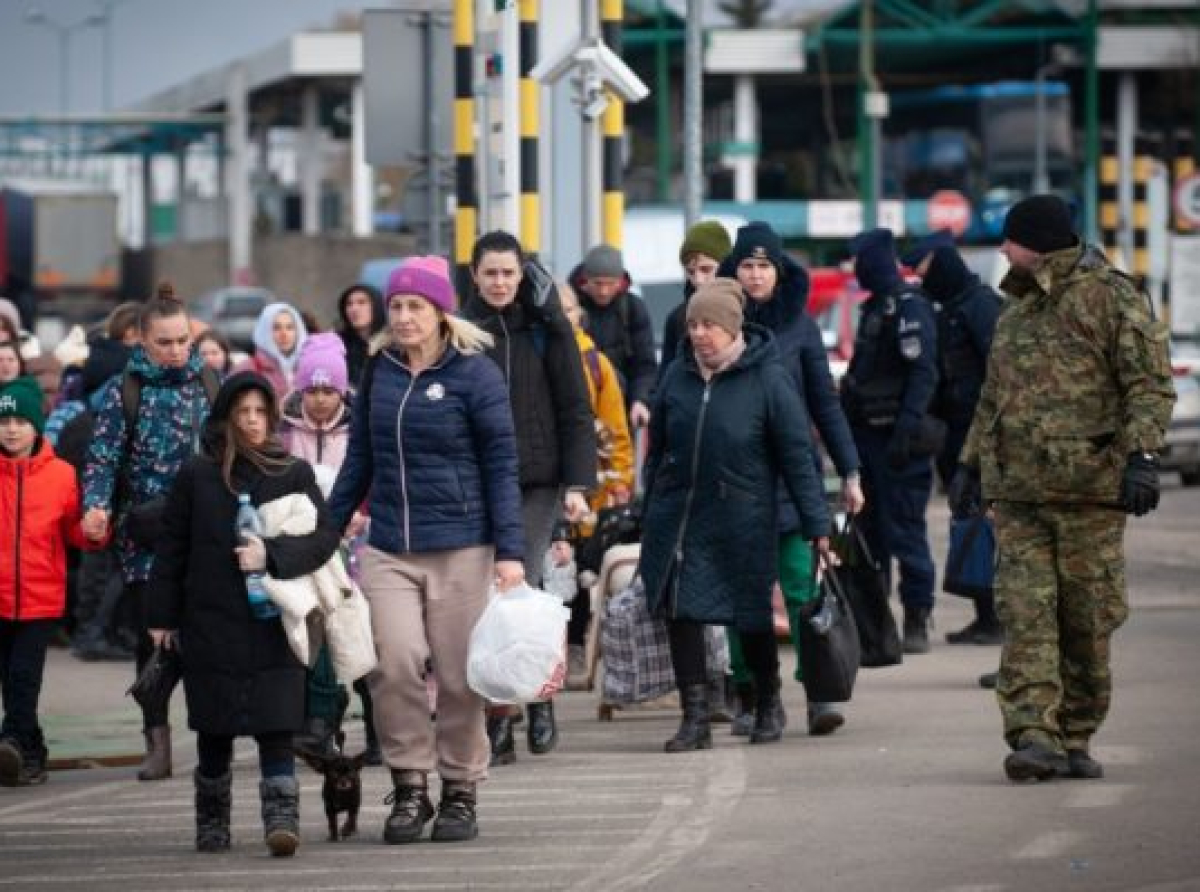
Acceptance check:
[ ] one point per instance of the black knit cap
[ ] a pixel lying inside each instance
(1041, 223)
(757, 240)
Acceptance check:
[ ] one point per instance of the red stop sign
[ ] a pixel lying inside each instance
(948, 209)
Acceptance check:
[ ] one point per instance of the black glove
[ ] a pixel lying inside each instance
(965, 493)
(899, 447)
(1139, 484)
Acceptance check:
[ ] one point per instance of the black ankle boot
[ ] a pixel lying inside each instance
(411, 808)
(213, 801)
(542, 732)
(769, 716)
(695, 732)
(500, 735)
(743, 719)
(916, 630)
(456, 820)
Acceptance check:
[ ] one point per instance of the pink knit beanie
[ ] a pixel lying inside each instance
(322, 363)
(427, 276)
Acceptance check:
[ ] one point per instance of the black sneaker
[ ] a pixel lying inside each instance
(977, 633)
(456, 820)
(1034, 761)
(989, 680)
(12, 763)
(411, 810)
(1083, 766)
(916, 630)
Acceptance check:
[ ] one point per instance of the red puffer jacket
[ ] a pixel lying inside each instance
(39, 518)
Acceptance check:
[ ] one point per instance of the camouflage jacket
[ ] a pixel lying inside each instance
(1078, 377)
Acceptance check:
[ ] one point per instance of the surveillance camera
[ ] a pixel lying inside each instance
(614, 72)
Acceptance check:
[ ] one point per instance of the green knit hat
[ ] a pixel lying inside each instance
(22, 398)
(708, 237)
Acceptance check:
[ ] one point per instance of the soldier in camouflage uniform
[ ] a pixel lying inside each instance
(1076, 402)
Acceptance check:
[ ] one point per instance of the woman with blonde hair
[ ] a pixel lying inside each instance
(432, 443)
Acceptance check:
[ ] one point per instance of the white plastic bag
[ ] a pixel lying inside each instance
(518, 647)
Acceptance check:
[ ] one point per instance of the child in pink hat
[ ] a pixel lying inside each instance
(316, 414)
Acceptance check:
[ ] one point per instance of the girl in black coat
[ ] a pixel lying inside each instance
(239, 673)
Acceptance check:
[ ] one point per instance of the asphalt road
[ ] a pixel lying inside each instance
(908, 796)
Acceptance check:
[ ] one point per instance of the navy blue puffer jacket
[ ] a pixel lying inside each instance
(438, 455)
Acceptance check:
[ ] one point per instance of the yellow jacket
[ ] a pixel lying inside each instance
(615, 460)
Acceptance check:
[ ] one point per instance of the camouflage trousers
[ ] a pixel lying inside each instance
(1060, 592)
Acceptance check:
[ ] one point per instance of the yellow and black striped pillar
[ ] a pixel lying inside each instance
(1107, 196)
(1143, 169)
(1183, 165)
(531, 200)
(466, 216)
(612, 127)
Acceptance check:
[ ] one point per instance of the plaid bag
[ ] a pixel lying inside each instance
(635, 650)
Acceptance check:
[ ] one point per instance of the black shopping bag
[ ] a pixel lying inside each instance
(829, 645)
(863, 581)
(154, 684)
(971, 559)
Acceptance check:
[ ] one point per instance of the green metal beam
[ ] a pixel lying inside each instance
(644, 37)
(909, 13)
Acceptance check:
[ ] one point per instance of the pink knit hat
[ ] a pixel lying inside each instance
(322, 363)
(427, 276)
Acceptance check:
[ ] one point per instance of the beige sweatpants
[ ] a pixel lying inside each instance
(425, 605)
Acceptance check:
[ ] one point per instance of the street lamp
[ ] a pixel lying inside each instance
(64, 32)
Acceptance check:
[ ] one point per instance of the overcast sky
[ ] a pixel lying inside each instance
(158, 43)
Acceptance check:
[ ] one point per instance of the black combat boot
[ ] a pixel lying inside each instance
(213, 802)
(977, 632)
(280, 814)
(743, 719)
(12, 762)
(1081, 765)
(916, 630)
(695, 732)
(500, 735)
(542, 733)
(411, 808)
(456, 820)
(769, 716)
(1034, 761)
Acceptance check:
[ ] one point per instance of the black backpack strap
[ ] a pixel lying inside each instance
(131, 401)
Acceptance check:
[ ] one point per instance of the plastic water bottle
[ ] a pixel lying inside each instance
(249, 523)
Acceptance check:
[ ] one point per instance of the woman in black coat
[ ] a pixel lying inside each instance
(239, 673)
(726, 427)
(516, 302)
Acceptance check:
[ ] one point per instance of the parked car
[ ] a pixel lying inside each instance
(1182, 450)
(233, 312)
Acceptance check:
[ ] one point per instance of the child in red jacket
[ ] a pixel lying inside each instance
(39, 517)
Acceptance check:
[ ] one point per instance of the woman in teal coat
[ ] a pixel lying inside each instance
(727, 426)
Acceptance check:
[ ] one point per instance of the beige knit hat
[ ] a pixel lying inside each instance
(719, 302)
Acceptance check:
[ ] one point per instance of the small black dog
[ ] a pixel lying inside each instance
(342, 790)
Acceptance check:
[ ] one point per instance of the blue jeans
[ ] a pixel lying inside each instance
(22, 662)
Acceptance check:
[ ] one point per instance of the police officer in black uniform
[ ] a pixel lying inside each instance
(887, 393)
(966, 311)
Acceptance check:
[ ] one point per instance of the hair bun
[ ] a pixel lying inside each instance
(165, 291)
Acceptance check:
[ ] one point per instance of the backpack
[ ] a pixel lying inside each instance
(131, 394)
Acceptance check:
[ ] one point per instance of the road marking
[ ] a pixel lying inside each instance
(681, 827)
(1050, 845)
(1097, 795)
